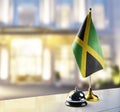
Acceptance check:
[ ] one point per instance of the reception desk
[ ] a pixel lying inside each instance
(109, 102)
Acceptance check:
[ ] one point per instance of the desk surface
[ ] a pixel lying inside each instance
(109, 102)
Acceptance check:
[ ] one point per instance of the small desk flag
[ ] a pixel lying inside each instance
(87, 49)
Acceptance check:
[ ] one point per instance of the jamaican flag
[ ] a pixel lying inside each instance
(87, 49)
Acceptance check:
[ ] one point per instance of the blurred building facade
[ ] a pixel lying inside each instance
(36, 37)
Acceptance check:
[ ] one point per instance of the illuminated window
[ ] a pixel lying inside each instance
(64, 63)
(4, 64)
(63, 13)
(99, 16)
(47, 10)
(47, 64)
(79, 10)
(26, 15)
(63, 16)
(26, 57)
(4, 11)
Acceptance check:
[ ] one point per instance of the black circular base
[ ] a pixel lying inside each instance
(80, 104)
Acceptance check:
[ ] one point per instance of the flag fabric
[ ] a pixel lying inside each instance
(87, 49)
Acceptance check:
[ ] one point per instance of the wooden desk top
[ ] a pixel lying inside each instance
(109, 102)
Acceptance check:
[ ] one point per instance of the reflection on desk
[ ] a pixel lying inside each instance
(109, 102)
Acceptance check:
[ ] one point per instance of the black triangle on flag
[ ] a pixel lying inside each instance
(92, 65)
(81, 33)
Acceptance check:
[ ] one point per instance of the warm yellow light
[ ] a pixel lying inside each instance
(65, 52)
(4, 64)
(47, 65)
(26, 56)
(28, 46)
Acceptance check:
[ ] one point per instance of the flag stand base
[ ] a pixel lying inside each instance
(91, 97)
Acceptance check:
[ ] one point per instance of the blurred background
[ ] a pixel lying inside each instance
(36, 38)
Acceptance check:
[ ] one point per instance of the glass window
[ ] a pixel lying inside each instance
(79, 10)
(26, 15)
(26, 57)
(64, 63)
(63, 13)
(4, 63)
(47, 9)
(4, 12)
(99, 13)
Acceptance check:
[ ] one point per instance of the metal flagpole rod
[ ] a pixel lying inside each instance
(90, 95)
(90, 85)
